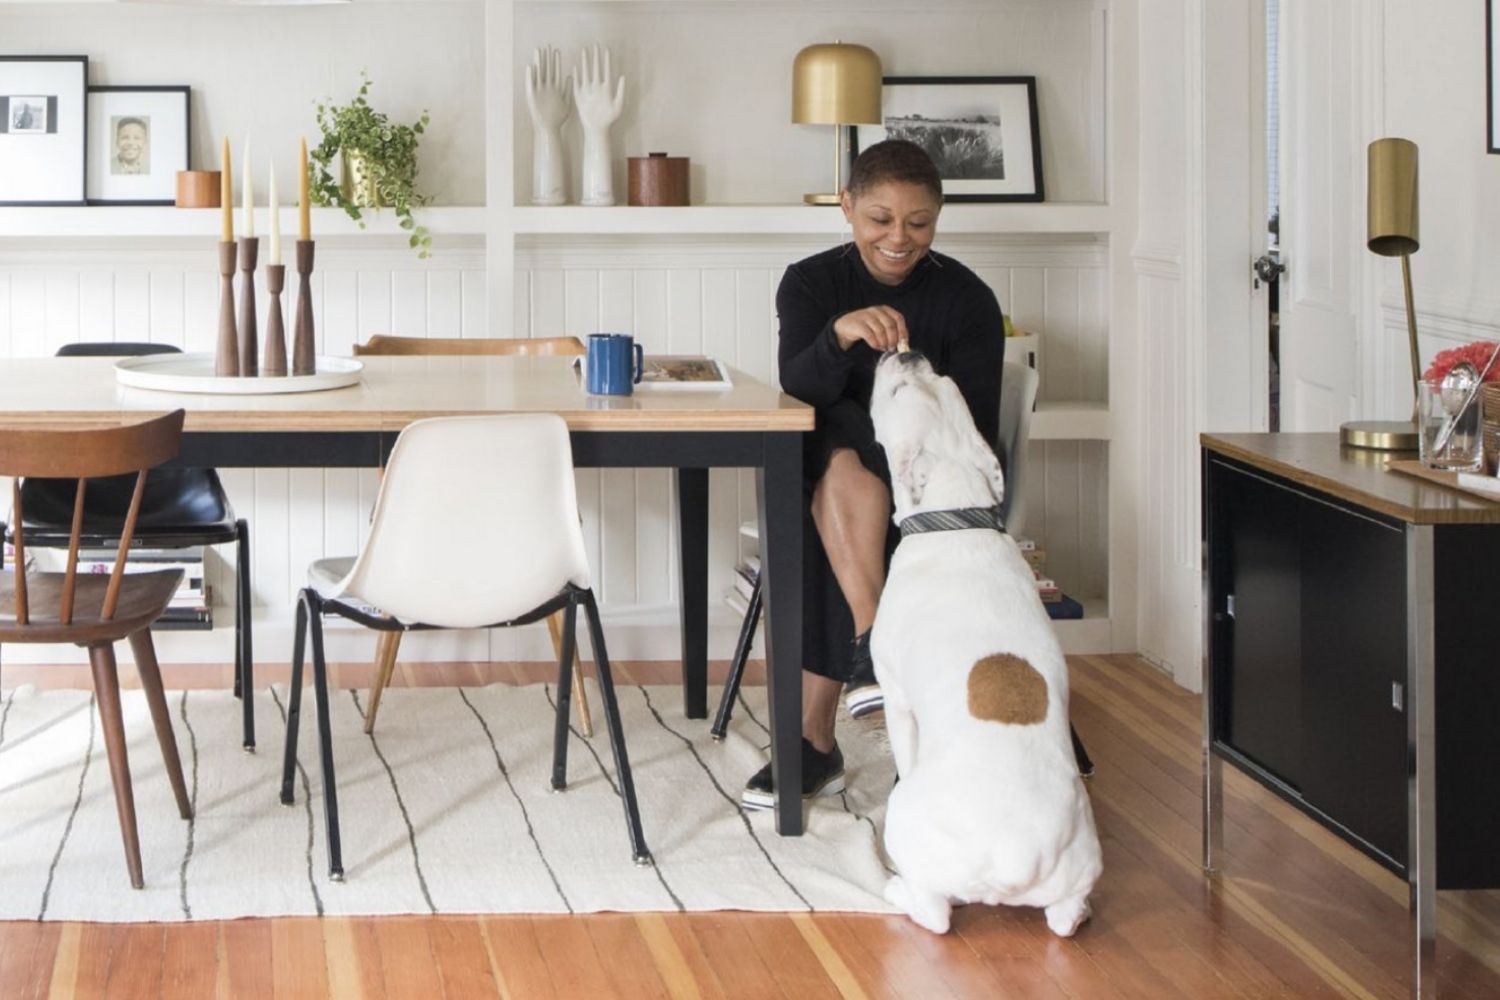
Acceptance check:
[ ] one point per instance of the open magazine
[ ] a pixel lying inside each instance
(684, 372)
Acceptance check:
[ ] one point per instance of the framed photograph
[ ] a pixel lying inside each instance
(43, 139)
(1491, 78)
(981, 131)
(138, 140)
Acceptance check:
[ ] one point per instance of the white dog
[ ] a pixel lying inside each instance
(990, 807)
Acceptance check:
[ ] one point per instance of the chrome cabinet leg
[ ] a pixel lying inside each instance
(1421, 755)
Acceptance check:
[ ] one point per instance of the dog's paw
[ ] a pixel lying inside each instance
(927, 910)
(1065, 918)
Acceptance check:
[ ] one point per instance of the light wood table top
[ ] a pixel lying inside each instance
(394, 391)
(1357, 475)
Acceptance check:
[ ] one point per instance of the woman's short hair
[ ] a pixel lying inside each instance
(894, 160)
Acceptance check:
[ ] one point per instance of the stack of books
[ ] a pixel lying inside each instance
(1058, 604)
(745, 575)
(191, 606)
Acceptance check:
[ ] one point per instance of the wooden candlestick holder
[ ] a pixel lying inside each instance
(227, 353)
(304, 349)
(249, 344)
(275, 362)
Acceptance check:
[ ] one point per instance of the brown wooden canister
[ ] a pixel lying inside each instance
(197, 189)
(658, 179)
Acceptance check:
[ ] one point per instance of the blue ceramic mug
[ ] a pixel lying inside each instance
(615, 364)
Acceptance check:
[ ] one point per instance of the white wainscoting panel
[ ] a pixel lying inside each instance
(677, 295)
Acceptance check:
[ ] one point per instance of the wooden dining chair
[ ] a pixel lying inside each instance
(386, 345)
(91, 610)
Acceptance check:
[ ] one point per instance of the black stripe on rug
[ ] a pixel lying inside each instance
(88, 755)
(187, 854)
(411, 833)
(312, 883)
(599, 763)
(733, 802)
(525, 815)
(4, 715)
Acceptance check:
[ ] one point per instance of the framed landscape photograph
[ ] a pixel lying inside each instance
(981, 131)
(138, 140)
(1491, 77)
(43, 140)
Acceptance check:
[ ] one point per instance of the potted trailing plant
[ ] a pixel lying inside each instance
(379, 160)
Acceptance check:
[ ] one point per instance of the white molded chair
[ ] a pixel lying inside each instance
(1018, 388)
(476, 526)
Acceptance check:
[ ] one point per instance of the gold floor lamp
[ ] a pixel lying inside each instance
(835, 84)
(1391, 216)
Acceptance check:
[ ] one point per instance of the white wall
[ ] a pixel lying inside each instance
(257, 71)
(1434, 94)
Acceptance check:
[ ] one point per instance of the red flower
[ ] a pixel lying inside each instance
(1477, 354)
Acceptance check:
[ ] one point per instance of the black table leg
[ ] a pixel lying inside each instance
(780, 490)
(692, 545)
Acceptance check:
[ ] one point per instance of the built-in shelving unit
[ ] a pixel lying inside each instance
(957, 218)
(166, 221)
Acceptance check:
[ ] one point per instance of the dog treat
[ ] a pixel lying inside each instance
(904, 345)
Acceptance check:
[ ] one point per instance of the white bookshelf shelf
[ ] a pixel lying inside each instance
(814, 220)
(167, 221)
(1070, 421)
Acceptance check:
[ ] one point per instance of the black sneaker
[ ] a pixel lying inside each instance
(822, 774)
(862, 695)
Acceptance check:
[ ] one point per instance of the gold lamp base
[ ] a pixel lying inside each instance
(1379, 435)
(821, 199)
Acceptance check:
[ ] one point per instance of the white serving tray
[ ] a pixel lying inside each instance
(195, 373)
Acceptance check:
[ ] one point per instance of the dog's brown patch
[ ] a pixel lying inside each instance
(1006, 688)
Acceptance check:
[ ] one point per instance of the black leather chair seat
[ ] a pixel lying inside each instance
(190, 503)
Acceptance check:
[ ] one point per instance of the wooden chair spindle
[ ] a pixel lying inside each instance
(70, 579)
(112, 595)
(22, 617)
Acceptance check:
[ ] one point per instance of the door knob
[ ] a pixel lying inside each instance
(1268, 267)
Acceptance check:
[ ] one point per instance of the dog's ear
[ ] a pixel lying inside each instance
(971, 446)
(911, 464)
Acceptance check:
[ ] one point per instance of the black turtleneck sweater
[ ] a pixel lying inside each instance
(950, 313)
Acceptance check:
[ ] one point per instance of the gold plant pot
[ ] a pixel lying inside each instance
(358, 181)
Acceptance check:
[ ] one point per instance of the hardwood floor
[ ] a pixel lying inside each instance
(1296, 914)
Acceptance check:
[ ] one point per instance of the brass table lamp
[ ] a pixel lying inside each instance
(836, 85)
(1391, 217)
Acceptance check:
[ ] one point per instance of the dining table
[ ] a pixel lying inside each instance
(749, 425)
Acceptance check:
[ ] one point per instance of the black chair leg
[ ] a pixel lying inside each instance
(616, 732)
(294, 704)
(1085, 763)
(325, 743)
(244, 681)
(564, 697)
(737, 665)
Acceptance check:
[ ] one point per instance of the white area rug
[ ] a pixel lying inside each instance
(446, 810)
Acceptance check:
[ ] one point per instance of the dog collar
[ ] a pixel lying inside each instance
(958, 519)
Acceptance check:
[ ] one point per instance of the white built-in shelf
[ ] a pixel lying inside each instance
(815, 220)
(158, 221)
(1070, 422)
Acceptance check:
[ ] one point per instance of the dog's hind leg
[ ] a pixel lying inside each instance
(1063, 918)
(901, 727)
(927, 909)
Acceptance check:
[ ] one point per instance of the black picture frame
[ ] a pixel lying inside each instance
(1492, 82)
(990, 110)
(43, 164)
(166, 151)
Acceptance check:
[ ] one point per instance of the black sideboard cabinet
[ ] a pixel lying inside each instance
(1339, 594)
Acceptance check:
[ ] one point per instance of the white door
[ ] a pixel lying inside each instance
(1321, 216)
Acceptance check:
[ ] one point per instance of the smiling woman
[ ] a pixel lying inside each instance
(839, 311)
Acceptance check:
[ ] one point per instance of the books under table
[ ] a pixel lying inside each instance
(191, 605)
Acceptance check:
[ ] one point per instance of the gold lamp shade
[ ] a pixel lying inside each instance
(835, 84)
(1391, 231)
(1392, 198)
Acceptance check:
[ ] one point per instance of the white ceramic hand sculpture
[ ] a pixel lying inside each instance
(549, 98)
(597, 110)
